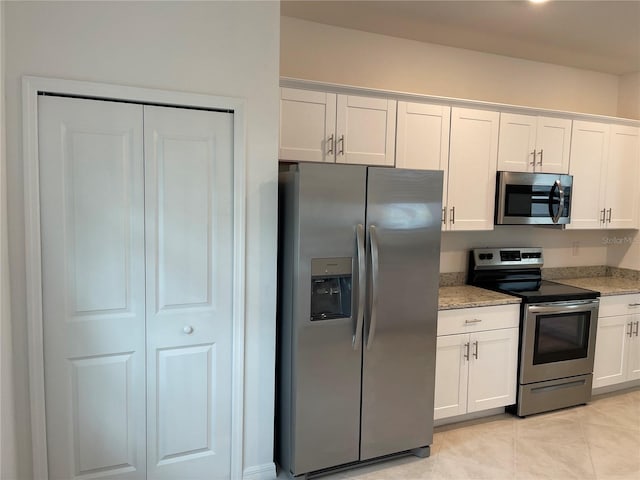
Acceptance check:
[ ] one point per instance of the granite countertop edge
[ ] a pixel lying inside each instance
(607, 286)
(467, 296)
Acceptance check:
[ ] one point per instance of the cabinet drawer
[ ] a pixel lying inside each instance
(465, 320)
(619, 305)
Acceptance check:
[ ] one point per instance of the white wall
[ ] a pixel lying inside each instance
(7, 426)
(326, 53)
(331, 54)
(624, 250)
(629, 97)
(220, 48)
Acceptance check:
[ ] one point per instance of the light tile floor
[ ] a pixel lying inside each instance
(598, 441)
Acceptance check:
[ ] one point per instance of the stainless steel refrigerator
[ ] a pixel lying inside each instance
(359, 256)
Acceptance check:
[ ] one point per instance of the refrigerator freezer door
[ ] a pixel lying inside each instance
(326, 361)
(403, 228)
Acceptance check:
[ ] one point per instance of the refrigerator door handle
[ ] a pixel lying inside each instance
(373, 239)
(357, 335)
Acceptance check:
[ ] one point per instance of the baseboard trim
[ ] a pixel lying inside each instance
(469, 416)
(260, 472)
(618, 387)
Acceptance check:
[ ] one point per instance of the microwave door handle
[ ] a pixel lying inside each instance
(556, 185)
(357, 335)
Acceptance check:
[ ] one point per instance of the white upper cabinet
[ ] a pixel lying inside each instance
(621, 194)
(530, 143)
(422, 138)
(589, 147)
(473, 156)
(604, 165)
(325, 127)
(366, 130)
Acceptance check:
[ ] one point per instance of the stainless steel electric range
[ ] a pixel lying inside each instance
(557, 328)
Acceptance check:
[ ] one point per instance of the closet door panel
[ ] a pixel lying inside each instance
(92, 239)
(189, 251)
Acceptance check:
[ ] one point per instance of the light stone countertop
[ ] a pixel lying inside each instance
(605, 285)
(466, 296)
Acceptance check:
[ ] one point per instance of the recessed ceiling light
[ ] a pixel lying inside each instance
(538, 1)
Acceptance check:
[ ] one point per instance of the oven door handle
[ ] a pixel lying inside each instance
(562, 308)
(556, 217)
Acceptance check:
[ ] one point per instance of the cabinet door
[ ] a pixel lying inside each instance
(492, 369)
(633, 355)
(611, 350)
(365, 130)
(553, 139)
(589, 147)
(517, 142)
(622, 177)
(451, 376)
(307, 125)
(422, 138)
(472, 169)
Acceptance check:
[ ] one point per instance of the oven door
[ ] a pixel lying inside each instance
(558, 340)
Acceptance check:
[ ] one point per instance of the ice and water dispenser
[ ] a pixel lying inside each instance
(330, 288)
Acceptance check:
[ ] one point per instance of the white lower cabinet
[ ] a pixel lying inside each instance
(476, 359)
(617, 356)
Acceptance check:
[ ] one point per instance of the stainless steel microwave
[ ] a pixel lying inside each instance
(533, 198)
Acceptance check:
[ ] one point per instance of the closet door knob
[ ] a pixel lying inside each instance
(188, 329)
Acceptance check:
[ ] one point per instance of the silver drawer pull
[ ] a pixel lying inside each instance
(632, 305)
(471, 322)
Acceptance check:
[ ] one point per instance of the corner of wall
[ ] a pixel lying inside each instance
(7, 429)
(629, 95)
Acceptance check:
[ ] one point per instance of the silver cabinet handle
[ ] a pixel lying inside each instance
(453, 215)
(357, 335)
(471, 322)
(341, 143)
(603, 212)
(540, 162)
(630, 332)
(632, 305)
(534, 159)
(466, 350)
(637, 324)
(609, 215)
(475, 350)
(330, 142)
(373, 241)
(444, 215)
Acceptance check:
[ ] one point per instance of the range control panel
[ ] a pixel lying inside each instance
(489, 258)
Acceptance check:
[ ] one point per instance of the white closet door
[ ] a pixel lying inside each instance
(92, 230)
(189, 251)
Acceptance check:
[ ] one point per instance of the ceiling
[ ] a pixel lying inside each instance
(600, 35)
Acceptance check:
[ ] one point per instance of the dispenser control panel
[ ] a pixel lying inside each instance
(331, 282)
